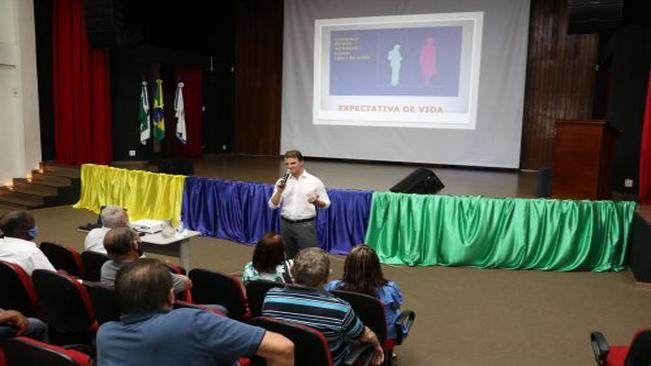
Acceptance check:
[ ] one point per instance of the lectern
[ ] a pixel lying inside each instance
(583, 155)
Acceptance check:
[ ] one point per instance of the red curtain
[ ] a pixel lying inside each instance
(192, 97)
(82, 103)
(645, 150)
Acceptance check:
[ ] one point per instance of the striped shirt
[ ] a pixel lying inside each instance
(320, 310)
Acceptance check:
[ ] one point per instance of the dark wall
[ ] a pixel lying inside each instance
(258, 76)
(560, 80)
(43, 32)
(630, 52)
(129, 66)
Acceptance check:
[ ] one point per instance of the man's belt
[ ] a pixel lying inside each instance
(297, 221)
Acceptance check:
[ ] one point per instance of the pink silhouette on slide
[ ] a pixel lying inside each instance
(428, 60)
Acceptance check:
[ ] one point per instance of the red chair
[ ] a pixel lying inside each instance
(187, 294)
(256, 292)
(310, 346)
(371, 312)
(637, 353)
(93, 262)
(105, 304)
(23, 351)
(66, 307)
(16, 290)
(63, 258)
(210, 287)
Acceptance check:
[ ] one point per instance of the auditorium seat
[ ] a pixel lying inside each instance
(637, 353)
(187, 294)
(210, 287)
(63, 258)
(371, 312)
(105, 304)
(93, 262)
(65, 306)
(23, 351)
(310, 346)
(256, 291)
(16, 290)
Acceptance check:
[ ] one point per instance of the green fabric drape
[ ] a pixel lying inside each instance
(145, 195)
(513, 233)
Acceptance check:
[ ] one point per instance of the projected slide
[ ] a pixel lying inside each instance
(398, 71)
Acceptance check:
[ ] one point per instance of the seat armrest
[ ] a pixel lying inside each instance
(360, 354)
(599, 347)
(403, 324)
(83, 348)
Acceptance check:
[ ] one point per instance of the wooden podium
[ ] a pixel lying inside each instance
(583, 155)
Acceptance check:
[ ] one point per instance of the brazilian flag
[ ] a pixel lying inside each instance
(157, 113)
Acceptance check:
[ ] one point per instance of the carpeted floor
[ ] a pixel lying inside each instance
(465, 316)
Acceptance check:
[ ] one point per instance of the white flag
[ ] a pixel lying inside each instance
(144, 118)
(181, 133)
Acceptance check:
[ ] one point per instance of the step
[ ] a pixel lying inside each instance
(51, 180)
(60, 170)
(23, 185)
(7, 207)
(21, 199)
(29, 190)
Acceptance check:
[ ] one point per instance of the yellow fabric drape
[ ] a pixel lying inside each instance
(145, 195)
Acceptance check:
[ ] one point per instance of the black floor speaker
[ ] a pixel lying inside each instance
(182, 166)
(421, 180)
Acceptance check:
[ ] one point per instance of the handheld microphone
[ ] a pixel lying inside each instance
(283, 181)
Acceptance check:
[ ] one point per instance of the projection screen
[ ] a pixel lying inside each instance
(413, 81)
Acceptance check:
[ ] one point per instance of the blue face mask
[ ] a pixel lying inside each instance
(32, 232)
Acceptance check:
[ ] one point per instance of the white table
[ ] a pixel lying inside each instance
(174, 246)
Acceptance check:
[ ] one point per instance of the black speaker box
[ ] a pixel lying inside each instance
(104, 23)
(183, 166)
(421, 180)
(594, 16)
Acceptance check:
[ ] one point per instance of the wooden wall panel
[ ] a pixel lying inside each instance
(560, 79)
(258, 76)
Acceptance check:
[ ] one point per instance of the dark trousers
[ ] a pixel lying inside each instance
(297, 236)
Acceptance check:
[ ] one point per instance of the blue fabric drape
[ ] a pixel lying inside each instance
(238, 211)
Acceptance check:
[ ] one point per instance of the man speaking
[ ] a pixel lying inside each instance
(300, 193)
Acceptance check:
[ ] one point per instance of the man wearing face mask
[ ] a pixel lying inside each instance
(123, 246)
(17, 245)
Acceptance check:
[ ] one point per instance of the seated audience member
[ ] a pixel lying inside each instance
(151, 333)
(14, 324)
(363, 274)
(112, 217)
(268, 261)
(308, 303)
(17, 245)
(123, 247)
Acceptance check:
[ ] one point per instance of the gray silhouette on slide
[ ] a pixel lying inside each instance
(395, 59)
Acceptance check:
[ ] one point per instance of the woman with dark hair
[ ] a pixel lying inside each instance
(268, 261)
(363, 274)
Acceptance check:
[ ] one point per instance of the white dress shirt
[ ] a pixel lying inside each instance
(23, 253)
(94, 241)
(294, 198)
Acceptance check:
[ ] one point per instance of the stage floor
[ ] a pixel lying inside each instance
(371, 176)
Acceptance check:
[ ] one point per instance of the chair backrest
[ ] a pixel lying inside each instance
(93, 262)
(639, 352)
(256, 291)
(16, 290)
(65, 303)
(179, 304)
(369, 310)
(63, 258)
(310, 346)
(105, 304)
(210, 287)
(22, 351)
(187, 294)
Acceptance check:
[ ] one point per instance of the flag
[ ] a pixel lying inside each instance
(144, 119)
(158, 114)
(645, 150)
(181, 133)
